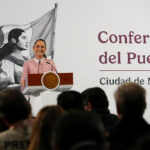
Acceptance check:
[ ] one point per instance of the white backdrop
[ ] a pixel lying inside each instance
(77, 48)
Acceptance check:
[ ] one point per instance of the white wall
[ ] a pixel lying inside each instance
(77, 48)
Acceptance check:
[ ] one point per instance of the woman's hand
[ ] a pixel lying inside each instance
(22, 83)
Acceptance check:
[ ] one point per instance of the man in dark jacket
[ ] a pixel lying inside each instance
(95, 100)
(131, 103)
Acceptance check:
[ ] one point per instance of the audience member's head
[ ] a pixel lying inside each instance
(13, 106)
(130, 100)
(94, 98)
(41, 134)
(70, 100)
(78, 131)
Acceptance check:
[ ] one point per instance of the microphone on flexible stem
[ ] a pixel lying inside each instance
(52, 66)
(39, 66)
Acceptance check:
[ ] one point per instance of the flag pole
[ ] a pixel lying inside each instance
(54, 33)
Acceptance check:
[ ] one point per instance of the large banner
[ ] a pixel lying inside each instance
(16, 46)
(103, 42)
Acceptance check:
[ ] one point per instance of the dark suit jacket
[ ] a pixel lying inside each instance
(107, 118)
(126, 132)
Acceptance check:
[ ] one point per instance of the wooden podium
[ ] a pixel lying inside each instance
(34, 83)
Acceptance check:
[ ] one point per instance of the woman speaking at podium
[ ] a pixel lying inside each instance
(38, 65)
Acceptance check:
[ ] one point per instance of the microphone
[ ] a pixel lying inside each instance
(48, 62)
(51, 66)
(39, 66)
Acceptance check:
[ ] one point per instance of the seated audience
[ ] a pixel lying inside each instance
(3, 126)
(95, 100)
(142, 144)
(131, 103)
(70, 100)
(15, 112)
(78, 131)
(41, 134)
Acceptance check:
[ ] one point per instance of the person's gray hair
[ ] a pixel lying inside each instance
(130, 99)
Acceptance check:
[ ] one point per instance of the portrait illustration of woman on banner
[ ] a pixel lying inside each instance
(11, 58)
(16, 46)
